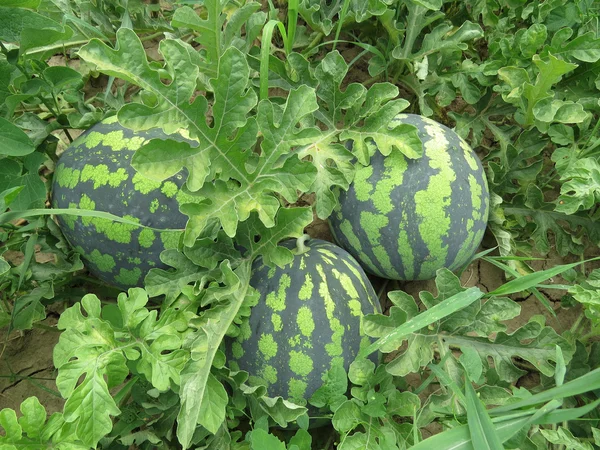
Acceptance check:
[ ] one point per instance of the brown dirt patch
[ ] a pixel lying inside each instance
(26, 368)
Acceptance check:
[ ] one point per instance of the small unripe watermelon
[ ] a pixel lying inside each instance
(404, 219)
(95, 172)
(307, 320)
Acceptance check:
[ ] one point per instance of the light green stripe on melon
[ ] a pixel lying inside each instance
(276, 300)
(129, 277)
(359, 277)
(431, 203)
(469, 156)
(146, 238)
(328, 253)
(327, 260)
(154, 204)
(372, 224)
(305, 321)
(476, 190)
(294, 340)
(302, 264)
(237, 350)
(93, 139)
(306, 291)
(276, 321)
(405, 249)
(115, 231)
(300, 363)
(333, 348)
(144, 185)
(87, 203)
(346, 283)
(245, 331)
(355, 308)
(297, 390)
(469, 246)
(69, 219)
(348, 232)
(67, 177)
(170, 239)
(362, 187)
(100, 175)
(269, 374)
(267, 346)
(395, 165)
(169, 188)
(105, 263)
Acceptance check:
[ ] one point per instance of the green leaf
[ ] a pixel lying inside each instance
(335, 385)
(302, 439)
(93, 420)
(34, 417)
(438, 312)
(532, 342)
(8, 196)
(585, 47)
(472, 363)
(563, 436)
(28, 308)
(550, 73)
(481, 428)
(212, 407)
(281, 410)
(545, 222)
(261, 439)
(92, 356)
(128, 62)
(531, 279)
(13, 141)
(346, 417)
(581, 187)
(31, 4)
(252, 236)
(445, 37)
(211, 329)
(14, 20)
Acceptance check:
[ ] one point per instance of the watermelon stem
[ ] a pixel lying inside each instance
(301, 246)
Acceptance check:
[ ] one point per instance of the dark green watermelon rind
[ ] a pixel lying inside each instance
(306, 321)
(417, 234)
(98, 162)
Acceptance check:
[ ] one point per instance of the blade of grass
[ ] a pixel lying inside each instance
(292, 24)
(528, 281)
(265, 53)
(565, 415)
(458, 438)
(29, 252)
(341, 18)
(438, 312)
(13, 215)
(543, 300)
(585, 383)
(482, 431)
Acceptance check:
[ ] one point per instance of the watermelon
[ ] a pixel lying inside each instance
(94, 172)
(307, 320)
(404, 219)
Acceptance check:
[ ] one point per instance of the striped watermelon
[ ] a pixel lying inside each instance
(306, 321)
(94, 172)
(404, 219)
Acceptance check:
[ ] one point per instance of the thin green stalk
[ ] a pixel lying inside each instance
(292, 24)
(341, 18)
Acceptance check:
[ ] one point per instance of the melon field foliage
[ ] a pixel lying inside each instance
(299, 225)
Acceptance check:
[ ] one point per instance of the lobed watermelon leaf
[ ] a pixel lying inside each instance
(93, 352)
